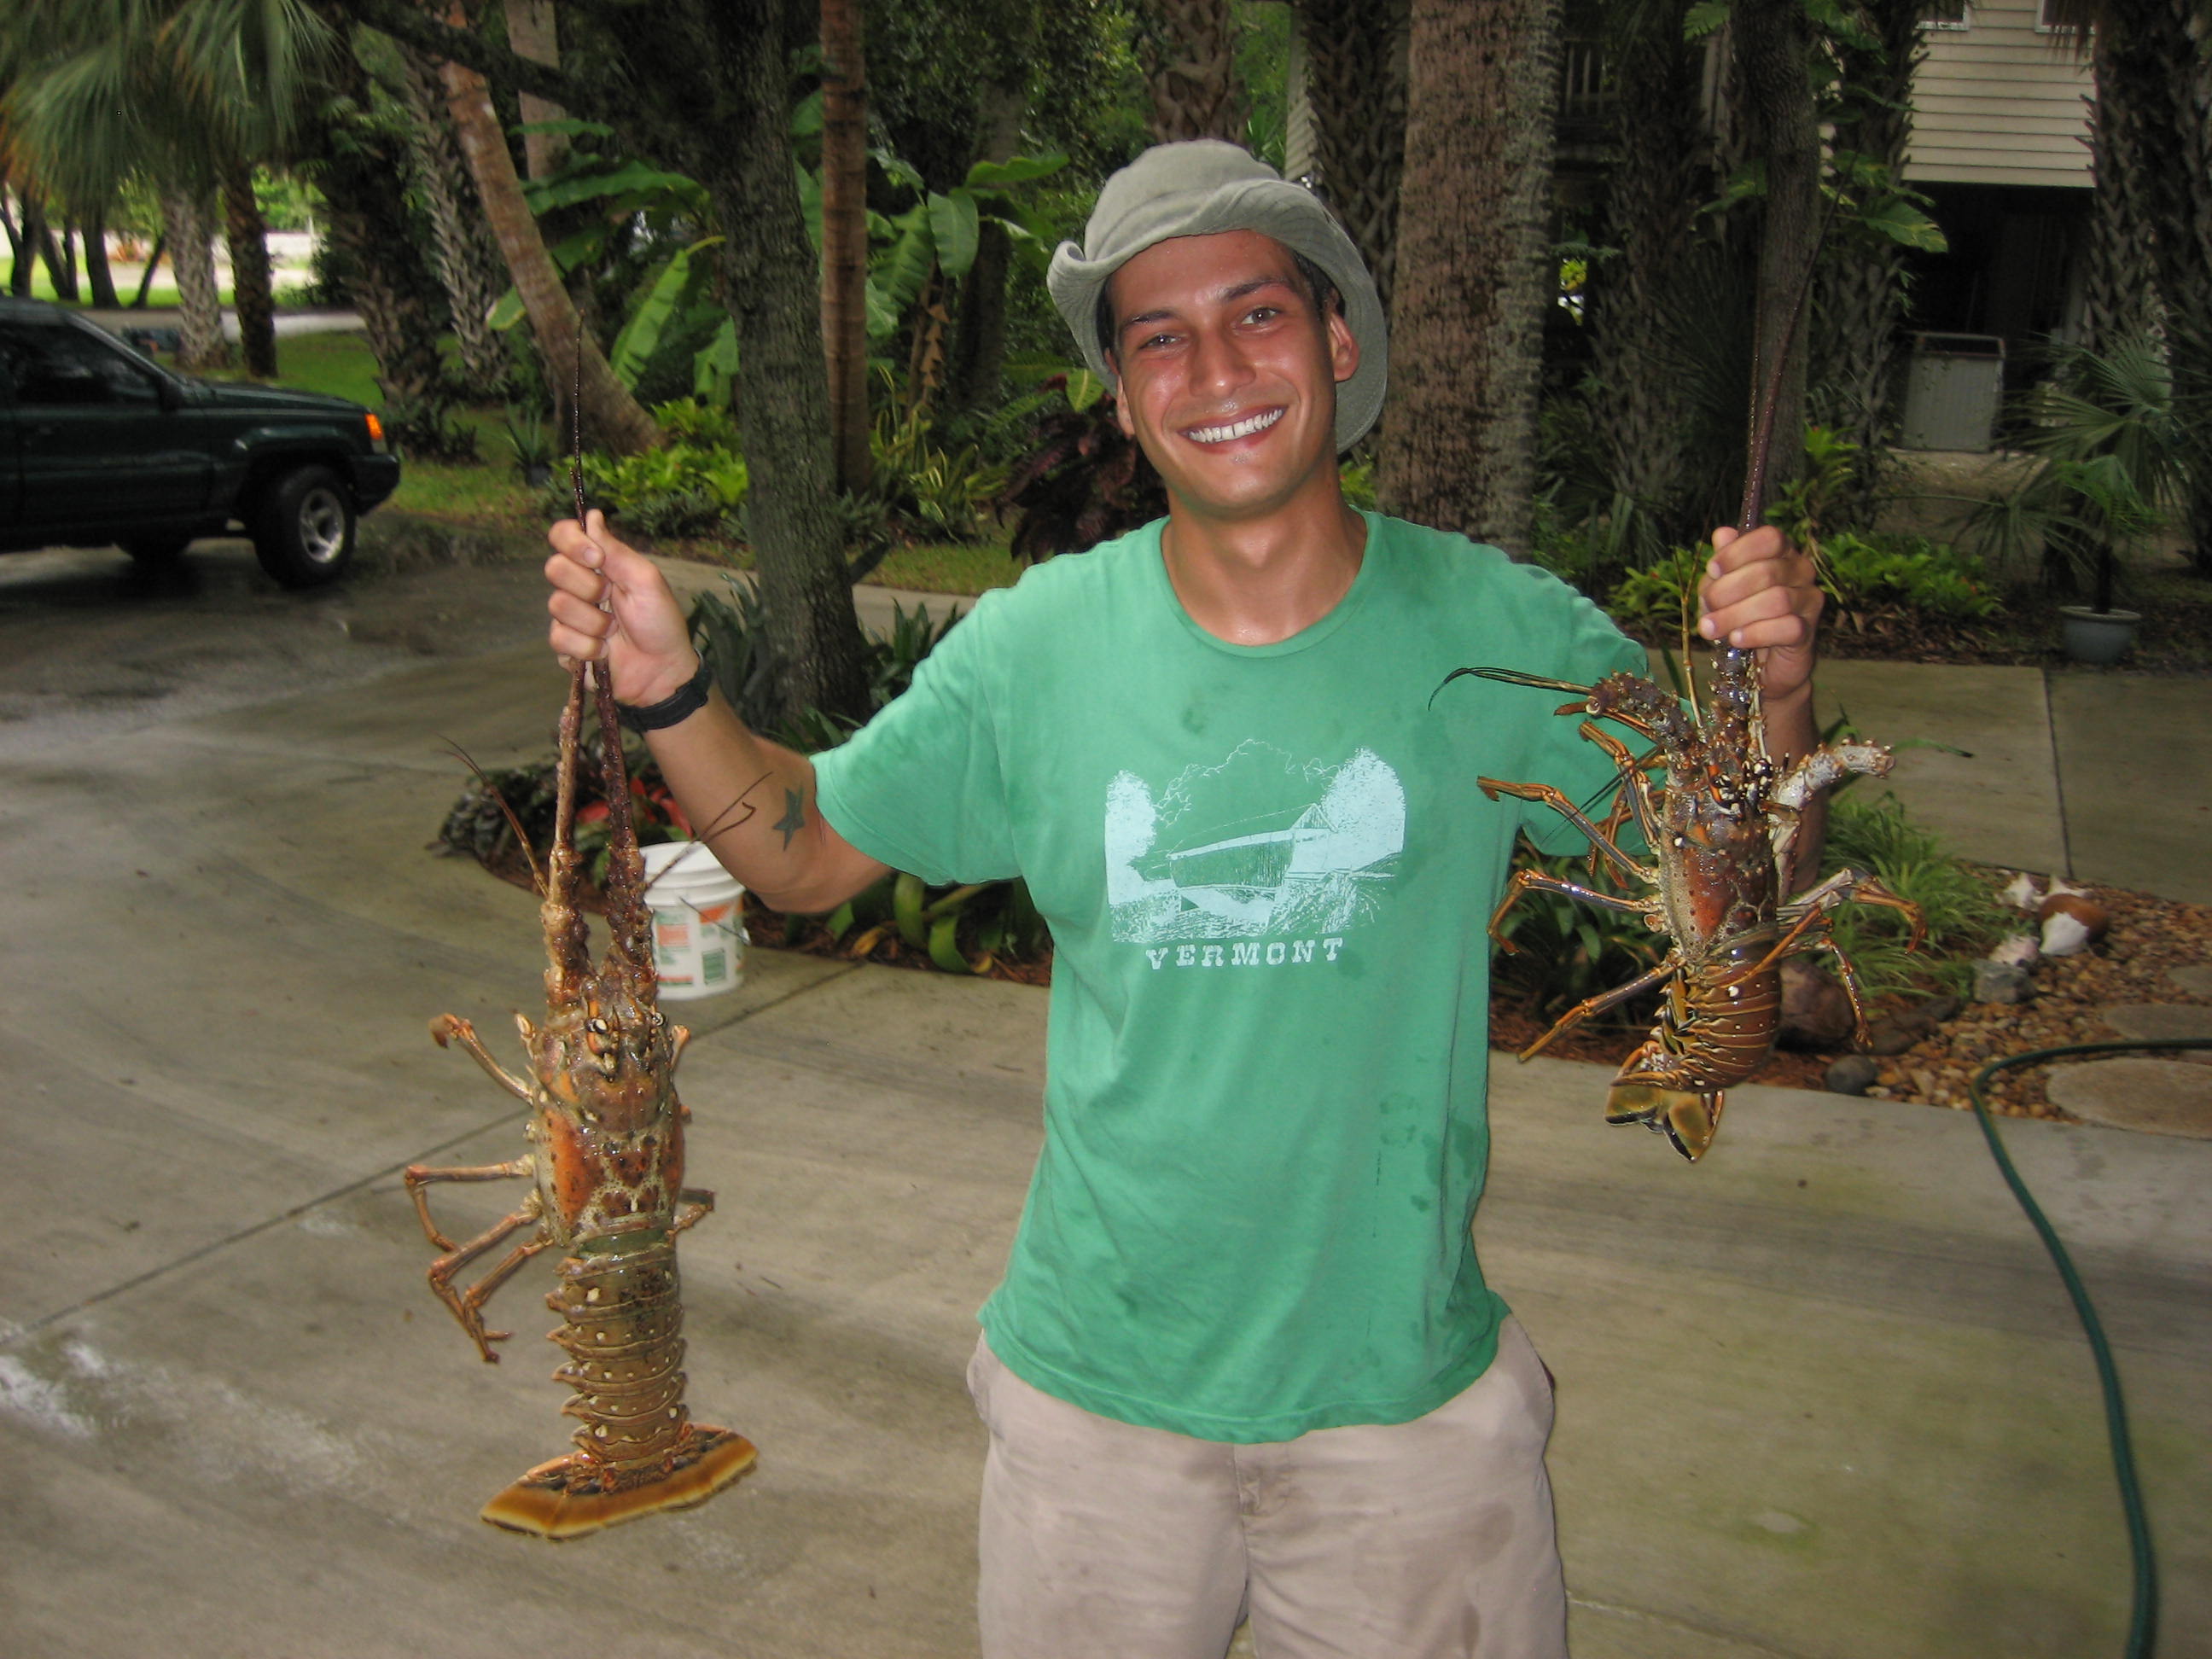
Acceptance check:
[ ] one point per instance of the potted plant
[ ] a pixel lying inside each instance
(2111, 450)
(2102, 511)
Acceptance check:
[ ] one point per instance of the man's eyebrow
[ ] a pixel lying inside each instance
(1227, 297)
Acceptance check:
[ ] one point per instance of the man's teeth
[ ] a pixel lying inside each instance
(1243, 429)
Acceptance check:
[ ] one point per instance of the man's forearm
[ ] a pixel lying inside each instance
(752, 803)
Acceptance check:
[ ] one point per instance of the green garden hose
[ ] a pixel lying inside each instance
(2143, 1626)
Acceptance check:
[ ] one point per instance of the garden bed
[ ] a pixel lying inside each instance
(2148, 936)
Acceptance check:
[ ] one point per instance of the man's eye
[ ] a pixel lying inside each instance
(1263, 314)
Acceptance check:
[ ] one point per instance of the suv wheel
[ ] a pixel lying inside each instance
(303, 528)
(157, 552)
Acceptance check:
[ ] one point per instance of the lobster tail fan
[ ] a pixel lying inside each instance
(630, 921)
(567, 944)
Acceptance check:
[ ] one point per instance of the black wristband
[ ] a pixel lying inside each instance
(687, 700)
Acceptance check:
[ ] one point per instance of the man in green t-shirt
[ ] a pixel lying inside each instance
(1243, 1360)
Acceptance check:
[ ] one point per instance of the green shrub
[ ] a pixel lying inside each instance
(679, 490)
(690, 420)
(929, 493)
(1964, 915)
(1661, 595)
(1566, 951)
(1930, 580)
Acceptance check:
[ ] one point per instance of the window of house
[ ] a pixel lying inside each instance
(1947, 14)
(2048, 20)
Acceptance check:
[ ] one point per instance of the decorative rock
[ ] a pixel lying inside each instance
(2195, 977)
(2000, 981)
(1893, 1034)
(2160, 1096)
(2019, 950)
(1854, 1075)
(1816, 1013)
(1939, 1009)
(2155, 1021)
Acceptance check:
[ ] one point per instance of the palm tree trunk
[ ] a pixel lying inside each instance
(1643, 406)
(1773, 44)
(767, 274)
(2119, 297)
(368, 223)
(1474, 273)
(845, 240)
(252, 290)
(152, 264)
(188, 218)
(360, 168)
(1189, 48)
(23, 269)
(1355, 58)
(979, 342)
(98, 277)
(612, 417)
(2154, 89)
(61, 261)
(1859, 297)
(533, 30)
(468, 266)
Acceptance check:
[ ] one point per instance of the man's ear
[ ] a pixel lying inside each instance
(1114, 395)
(1343, 349)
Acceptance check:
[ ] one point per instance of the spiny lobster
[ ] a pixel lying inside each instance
(606, 1130)
(1722, 829)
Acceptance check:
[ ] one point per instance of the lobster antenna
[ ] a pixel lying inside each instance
(521, 835)
(728, 818)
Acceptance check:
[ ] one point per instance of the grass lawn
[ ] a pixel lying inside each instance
(490, 492)
(948, 569)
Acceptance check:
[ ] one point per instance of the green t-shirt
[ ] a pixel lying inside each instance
(1269, 872)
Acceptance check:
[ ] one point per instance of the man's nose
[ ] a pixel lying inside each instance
(1217, 362)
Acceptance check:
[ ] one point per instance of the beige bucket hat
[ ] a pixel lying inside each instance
(1200, 188)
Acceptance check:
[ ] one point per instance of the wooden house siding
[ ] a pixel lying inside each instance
(1999, 103)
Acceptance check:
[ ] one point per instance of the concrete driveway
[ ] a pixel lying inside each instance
(1822, 1396)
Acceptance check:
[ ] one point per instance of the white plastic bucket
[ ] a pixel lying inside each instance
(698, 921)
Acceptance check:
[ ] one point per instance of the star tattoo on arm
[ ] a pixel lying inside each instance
(794, 816)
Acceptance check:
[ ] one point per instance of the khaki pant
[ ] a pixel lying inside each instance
(1428, 1540)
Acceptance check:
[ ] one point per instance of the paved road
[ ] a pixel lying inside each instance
(1821, 1398)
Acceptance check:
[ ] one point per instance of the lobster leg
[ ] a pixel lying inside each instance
(467, 1306)
(1551, 797)
(1849, 977)
(451, 1028)
(694, 1205)
(1524, 880)
(416, 1176)
(1856, 887)
(1597, 1004)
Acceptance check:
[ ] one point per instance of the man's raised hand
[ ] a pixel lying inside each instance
(610, 601)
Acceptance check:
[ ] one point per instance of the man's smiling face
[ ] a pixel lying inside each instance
(1228, 372)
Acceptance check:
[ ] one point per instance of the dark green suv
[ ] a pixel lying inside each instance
(100, 446)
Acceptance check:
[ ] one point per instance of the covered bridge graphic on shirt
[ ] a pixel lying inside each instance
(1262, 843)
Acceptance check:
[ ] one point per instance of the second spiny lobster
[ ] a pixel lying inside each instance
(1721, 826)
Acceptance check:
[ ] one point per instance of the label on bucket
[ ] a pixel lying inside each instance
(698, 927)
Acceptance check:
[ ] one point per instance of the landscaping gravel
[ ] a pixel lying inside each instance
(2149, 939)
